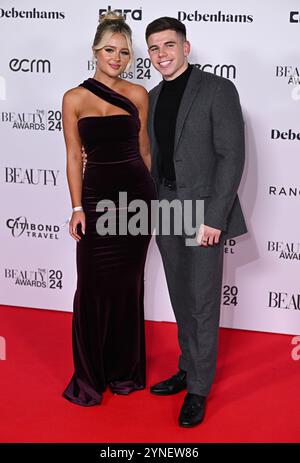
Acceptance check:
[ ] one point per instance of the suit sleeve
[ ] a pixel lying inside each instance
(229, 144)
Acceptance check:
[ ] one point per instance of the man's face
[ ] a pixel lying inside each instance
(168, 52)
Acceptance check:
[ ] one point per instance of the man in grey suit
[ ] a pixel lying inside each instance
(196, 131)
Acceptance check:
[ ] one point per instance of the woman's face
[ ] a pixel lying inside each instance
(113, 58)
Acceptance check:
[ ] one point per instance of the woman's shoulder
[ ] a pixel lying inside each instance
(73, 99)
(135, 92)
(134, 88)
(74, 93)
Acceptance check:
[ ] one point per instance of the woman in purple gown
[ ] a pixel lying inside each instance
(108, 117)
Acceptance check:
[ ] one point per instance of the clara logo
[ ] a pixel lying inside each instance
(136, 15)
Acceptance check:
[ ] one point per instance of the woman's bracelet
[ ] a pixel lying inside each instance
(77, 208)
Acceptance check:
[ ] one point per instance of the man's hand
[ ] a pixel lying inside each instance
(208, 236)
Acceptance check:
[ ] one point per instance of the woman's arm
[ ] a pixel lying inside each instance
(74, 157)
(141, 100)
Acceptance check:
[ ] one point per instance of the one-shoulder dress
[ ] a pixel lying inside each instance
(108, 337)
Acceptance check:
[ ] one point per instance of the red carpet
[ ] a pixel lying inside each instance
(255, 397)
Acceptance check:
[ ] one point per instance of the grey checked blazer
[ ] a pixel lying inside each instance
(209, 149)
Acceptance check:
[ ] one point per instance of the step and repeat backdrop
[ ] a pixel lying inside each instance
(46, 49)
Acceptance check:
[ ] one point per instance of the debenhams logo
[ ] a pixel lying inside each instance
(134, 14)
(284, 191)
(223, 70)
(288, 251)
(216, 17)
(288, 135)
(13, 13)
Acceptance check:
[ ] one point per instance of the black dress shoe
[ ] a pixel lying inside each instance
(192, 411)
(170, 386)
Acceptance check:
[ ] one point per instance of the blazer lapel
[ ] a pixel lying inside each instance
(188, 97)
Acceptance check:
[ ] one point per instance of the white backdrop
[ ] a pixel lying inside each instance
(46, 49)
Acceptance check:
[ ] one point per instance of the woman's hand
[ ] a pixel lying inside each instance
(76, 219)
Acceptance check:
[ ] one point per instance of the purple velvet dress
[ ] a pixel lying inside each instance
(108, 313)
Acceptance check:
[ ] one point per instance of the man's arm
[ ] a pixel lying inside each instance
(229, 142)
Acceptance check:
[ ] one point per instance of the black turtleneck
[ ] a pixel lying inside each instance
(165, 121)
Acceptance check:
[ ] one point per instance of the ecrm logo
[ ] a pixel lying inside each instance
(26, 65)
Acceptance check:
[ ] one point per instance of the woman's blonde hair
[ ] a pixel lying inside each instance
(111, 23)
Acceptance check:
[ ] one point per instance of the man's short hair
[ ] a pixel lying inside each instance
(164, 23)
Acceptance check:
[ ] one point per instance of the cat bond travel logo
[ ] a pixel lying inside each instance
(284, 250)
(20, 226)
(223, 70)
(282, 300)
(35, 278)
(136, 15)
(37, 66)
(21, 176)
(289, 135)
(284, 191)
(218, 17)
(38, 120)
(14, 13)
(230, 246)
